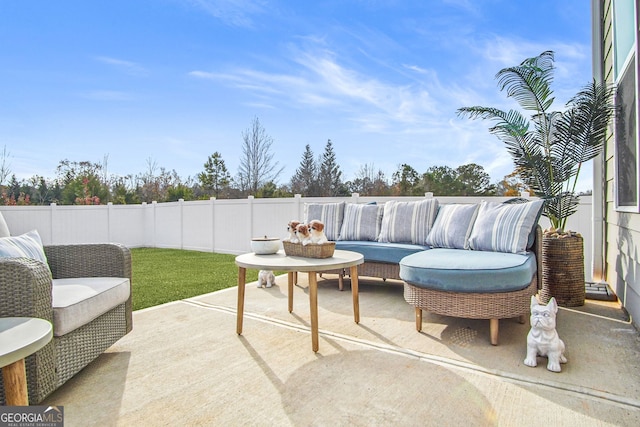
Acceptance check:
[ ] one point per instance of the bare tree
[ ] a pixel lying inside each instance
(256, 164)
(155, 182)
(368, 182)
(5, 166)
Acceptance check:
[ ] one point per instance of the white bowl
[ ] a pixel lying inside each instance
(265, 245)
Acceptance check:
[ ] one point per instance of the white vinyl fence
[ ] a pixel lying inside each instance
(224, 226)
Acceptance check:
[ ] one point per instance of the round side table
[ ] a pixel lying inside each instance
(292, 265)
(20, 337)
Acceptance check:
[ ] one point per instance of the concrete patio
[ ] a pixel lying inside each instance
(184, 364)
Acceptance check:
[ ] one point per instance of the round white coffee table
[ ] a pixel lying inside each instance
(291, 264)
(19, 338)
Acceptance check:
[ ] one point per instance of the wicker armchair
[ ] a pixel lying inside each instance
(26, 290)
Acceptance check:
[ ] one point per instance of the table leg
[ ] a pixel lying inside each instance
(354, 293)
(291, 277)
(15, 384)
(313, 304)
(242, 277)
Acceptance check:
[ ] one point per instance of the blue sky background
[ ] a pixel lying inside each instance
(173, 81)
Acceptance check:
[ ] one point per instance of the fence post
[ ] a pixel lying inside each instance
(250, 207)
(145, 234)
(52, 214)
(297, 202)
(428, 195)
(109, 220)
(355, 197)
(212, 203)
(154, 204)
(181, 211)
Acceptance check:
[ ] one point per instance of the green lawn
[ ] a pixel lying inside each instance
(164, 275)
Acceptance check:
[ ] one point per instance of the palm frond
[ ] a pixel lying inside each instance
(510, 122)
(559, 207)
(584, 124)
(548, 149)
(511, 127)
(530, 82)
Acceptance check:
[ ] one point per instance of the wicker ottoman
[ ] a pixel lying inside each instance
(471, 284)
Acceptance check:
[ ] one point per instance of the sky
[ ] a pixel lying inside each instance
(136, 83)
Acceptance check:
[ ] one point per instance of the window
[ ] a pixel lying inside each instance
(625, 35)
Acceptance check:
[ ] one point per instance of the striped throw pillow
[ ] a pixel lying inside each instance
(503, 227)
(330, 214)
(4, 229)
(452, 226)
(408, 222)
(361, 222)
(28, 245)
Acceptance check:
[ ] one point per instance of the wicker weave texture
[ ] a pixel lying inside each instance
(381, 270)
(563, 271)
(25, 291)
(80, 347)
(89, 260)
(324, 250)
(500, 305)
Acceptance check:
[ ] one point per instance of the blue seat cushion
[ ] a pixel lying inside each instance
(459, 270)
(380, 252)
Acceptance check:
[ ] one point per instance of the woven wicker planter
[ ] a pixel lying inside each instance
(563, 271)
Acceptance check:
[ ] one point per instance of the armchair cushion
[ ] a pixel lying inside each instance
(78, 301)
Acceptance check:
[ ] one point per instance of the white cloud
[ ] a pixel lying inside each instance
(321, 81)
(415, 68)
(236, 13)
(571, 60)
(259, 105)
(128, 67)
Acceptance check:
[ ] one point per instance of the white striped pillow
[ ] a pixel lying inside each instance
(4, 229)
(28, 245)
(361, 222)
(408, 222)
(452, 226)
(503, 227)
(330, 214)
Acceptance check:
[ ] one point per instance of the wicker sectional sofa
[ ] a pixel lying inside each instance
(84, 290)
(476, 261)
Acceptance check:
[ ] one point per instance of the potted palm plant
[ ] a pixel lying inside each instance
(548, 149)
